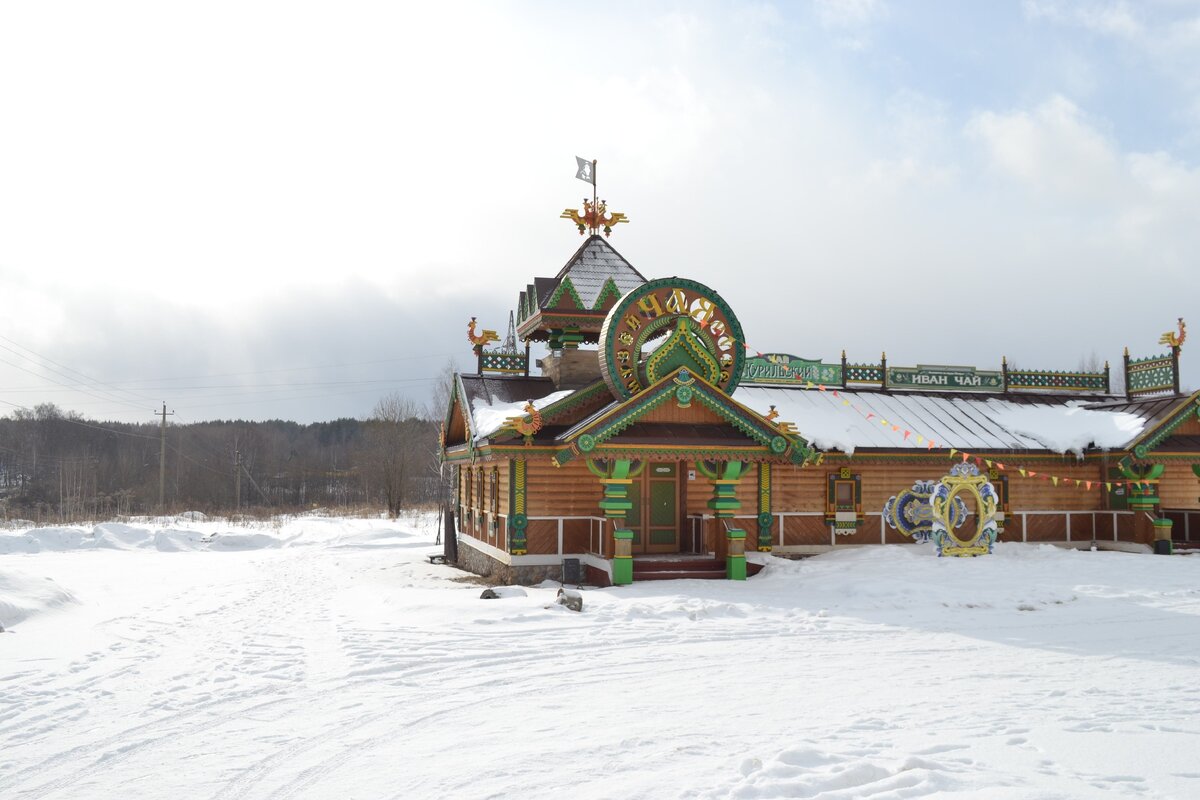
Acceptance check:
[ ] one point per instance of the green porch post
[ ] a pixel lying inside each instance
(518, 520)
(1143, 496)
(735, 560)
(615, 504)
(764, 508)
(1162, 537)
(724, 505)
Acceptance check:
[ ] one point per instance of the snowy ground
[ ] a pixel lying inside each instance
(324, 658)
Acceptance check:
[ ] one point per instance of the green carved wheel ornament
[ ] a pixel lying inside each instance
(702, 333)
(587, 443)
(778, 445)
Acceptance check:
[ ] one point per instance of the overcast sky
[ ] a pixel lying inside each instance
(287, 210)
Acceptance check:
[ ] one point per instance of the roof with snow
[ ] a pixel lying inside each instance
(589, 284)
(850, 420)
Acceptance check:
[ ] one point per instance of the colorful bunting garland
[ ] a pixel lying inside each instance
(930, 444)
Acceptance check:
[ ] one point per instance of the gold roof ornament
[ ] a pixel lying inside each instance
(479, 340)
(1175, 338)
(594, 217)
(526, 425)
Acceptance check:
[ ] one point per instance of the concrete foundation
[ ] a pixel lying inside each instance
(487, 566)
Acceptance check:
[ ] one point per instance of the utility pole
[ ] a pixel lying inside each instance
(162, 454)
(237, 480)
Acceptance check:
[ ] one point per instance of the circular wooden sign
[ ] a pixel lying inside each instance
(701, 332)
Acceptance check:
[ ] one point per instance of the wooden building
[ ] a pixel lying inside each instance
(655, 443)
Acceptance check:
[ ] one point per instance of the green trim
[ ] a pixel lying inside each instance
(735, 565)
(572, 401)
(622, 566)
(681, 349)
(724, 503)
(1149, 440)
(607, 291)
(616, 503)
(764, 508)
(565, 287)
(726, 408)
(518, 519)
(545, 320)
(864, 373)
(1051, 379)
(614, 328)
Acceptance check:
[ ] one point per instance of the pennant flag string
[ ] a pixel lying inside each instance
(930, 444)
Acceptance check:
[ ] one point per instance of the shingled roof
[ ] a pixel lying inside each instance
(591, 281)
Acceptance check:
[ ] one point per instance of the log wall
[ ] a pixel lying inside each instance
(1179, 488)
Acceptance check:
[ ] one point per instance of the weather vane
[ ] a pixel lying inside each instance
(595, 216)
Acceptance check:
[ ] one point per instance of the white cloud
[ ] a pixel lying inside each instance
(1140, 205)
(1051, 148)
(1109, 18)
(837, 14)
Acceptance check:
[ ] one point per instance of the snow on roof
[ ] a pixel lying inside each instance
(490, 417)
(1071, 427)
(593, 265)
(966, 423)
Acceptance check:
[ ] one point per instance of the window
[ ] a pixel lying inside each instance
(843, 501)
(494, 492)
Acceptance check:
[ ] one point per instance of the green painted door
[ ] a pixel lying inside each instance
(662, 508)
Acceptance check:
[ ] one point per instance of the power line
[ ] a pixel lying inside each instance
(63, 366)
(290, 369)
(109, 399)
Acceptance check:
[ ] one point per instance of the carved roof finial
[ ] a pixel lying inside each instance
(594, 217)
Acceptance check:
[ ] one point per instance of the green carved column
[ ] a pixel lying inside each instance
(724, 505)
(735, 558)
(764, 508)
(518, 519)
(571, 338)
(1143, 495)
(615, 504)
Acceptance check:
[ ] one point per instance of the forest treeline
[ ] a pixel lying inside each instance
(56, 465)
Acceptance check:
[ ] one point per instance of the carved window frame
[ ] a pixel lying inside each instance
(843, 479)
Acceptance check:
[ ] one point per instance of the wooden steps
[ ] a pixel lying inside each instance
(667, 568)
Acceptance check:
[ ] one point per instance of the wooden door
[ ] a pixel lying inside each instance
(661, 503)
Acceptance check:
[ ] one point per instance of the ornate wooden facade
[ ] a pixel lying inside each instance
(671, 437)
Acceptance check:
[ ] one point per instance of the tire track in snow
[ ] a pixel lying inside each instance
(501, 688)
(117, 747)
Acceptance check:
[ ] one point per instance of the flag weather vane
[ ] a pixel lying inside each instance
(595, 216)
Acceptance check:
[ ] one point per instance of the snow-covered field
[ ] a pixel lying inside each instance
(325, 658)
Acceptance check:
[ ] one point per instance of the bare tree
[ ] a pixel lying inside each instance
(397, 437)
(443, 385)
(1093, 363)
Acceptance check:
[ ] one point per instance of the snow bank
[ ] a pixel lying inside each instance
(22, 596)
(221, 536)
(807, 771)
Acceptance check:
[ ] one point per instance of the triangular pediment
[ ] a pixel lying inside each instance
(681, 402)
(456, 425)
